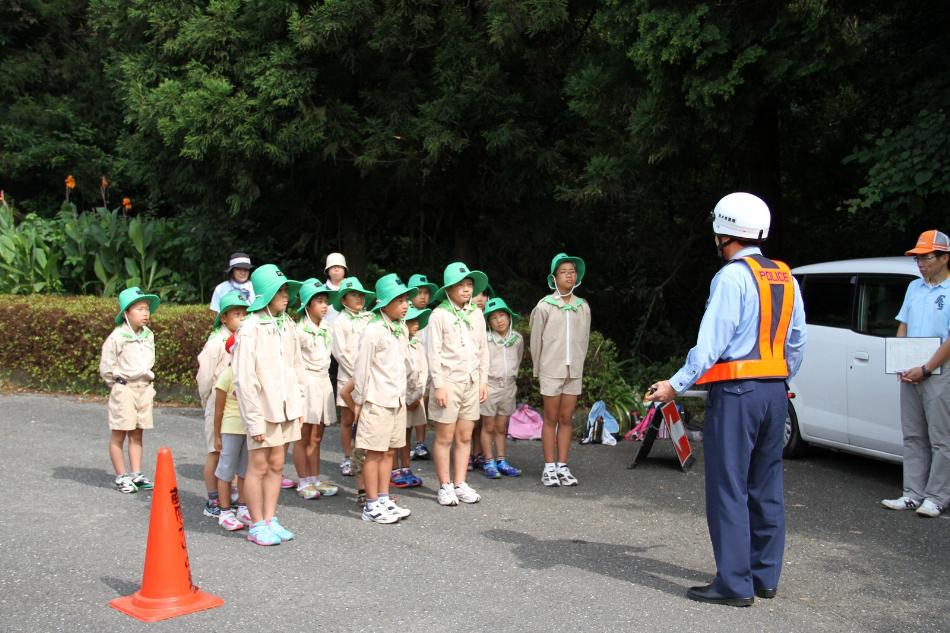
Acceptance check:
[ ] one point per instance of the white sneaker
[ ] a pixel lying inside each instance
(565, 477)
(447, 496)
(466, 494)
(549, 478)
(244, 516)
(379, 514)
(228, 521)
(399, 511)
(901, 503)
(308, 492)
(929, 509)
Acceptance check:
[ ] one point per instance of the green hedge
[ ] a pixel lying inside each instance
(53, 343)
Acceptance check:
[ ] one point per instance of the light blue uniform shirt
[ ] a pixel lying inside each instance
(730, 325)
(926, 309)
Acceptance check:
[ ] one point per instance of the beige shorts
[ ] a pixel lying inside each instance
(276, 434)
(209, 434)
(381, 428)
(558, 386)
(130, 406)
(416, 417)
(501, 400)
(339, 389)
(462, 403)
(318, 400)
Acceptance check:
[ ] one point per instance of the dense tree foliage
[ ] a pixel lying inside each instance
(413, 132)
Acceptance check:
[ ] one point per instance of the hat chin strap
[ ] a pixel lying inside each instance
(553, 286)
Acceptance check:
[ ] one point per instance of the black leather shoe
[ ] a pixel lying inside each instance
(767, 594)
(706, 594)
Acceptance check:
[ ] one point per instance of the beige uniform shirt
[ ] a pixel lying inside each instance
(211, 362)
(268, 371)
(456, 347)
(315, 345)
(127, 355)
(347, 328)
(504, 357)
(560, 334)
(379, 375)
(417, 368)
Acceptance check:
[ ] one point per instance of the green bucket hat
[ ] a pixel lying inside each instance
(494, 305)
(422, 316)
(388, 287)
(559, 259)
(421, 281)
(267, 280)
(231, 300)
(133, 295)
(456, 272)
(350, 284)
(310, 289)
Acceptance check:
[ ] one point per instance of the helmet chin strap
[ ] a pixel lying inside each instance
(722, 243)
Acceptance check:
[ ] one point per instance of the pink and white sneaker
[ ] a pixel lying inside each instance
(244, 516)
(228, 521)
(286, 484)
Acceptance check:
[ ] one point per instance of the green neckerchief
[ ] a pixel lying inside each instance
(129, 334)
(413, 341)
(510, 340)
(278, 320)
(460, 315)
(573, 307)
(393, 326)
(320, 330)
(362, 315)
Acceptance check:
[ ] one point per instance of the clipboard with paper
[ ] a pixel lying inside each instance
(903, 353)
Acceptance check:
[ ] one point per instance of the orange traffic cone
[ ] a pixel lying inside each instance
(166, 590)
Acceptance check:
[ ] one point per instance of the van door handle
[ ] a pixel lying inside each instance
(862, 356)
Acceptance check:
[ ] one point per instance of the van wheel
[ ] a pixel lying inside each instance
(794, 444)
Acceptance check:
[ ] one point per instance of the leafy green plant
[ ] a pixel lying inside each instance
(29, 255)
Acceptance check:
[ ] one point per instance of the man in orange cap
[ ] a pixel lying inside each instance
(925, 394)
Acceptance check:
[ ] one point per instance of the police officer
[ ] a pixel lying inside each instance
(750, 342)
(925, 395)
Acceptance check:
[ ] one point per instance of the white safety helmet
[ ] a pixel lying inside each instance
(742, 215)
(335, 259)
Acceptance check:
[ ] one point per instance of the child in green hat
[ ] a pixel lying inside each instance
(269, 376)
(458, 365)
(418, 375)
(319, 408)
(379, 392)
(350, 302)
(505, 351)
(212, 360)
(560, 333)
(128, 355)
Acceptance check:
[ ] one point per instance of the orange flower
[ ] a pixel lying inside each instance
(70, 182)
(103, 183)
(127, 204)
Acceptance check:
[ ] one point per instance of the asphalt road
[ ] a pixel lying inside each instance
(616, 553)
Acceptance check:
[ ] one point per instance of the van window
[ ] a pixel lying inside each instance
(879, 301)
(828, 299)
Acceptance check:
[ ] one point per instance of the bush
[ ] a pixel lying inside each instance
(54, 343)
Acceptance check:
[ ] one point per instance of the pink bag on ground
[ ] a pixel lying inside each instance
(525, 424)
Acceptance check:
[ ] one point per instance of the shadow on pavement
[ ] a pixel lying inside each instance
(623, 562)
(121, 586)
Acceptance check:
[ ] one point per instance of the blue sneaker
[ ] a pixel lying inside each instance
(282, 533)
(421, 451)
(261, 534)
(490, 470)
(507, 469)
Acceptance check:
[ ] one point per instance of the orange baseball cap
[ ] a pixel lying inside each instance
(930, 241)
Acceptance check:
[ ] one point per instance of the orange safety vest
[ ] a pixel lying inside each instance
(776, 297)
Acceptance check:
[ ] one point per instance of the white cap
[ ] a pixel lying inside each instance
(742, 215)
(335, 259)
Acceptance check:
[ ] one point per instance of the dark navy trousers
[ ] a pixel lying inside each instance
(743, 434)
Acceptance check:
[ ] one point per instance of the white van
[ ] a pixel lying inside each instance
(842, 397)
